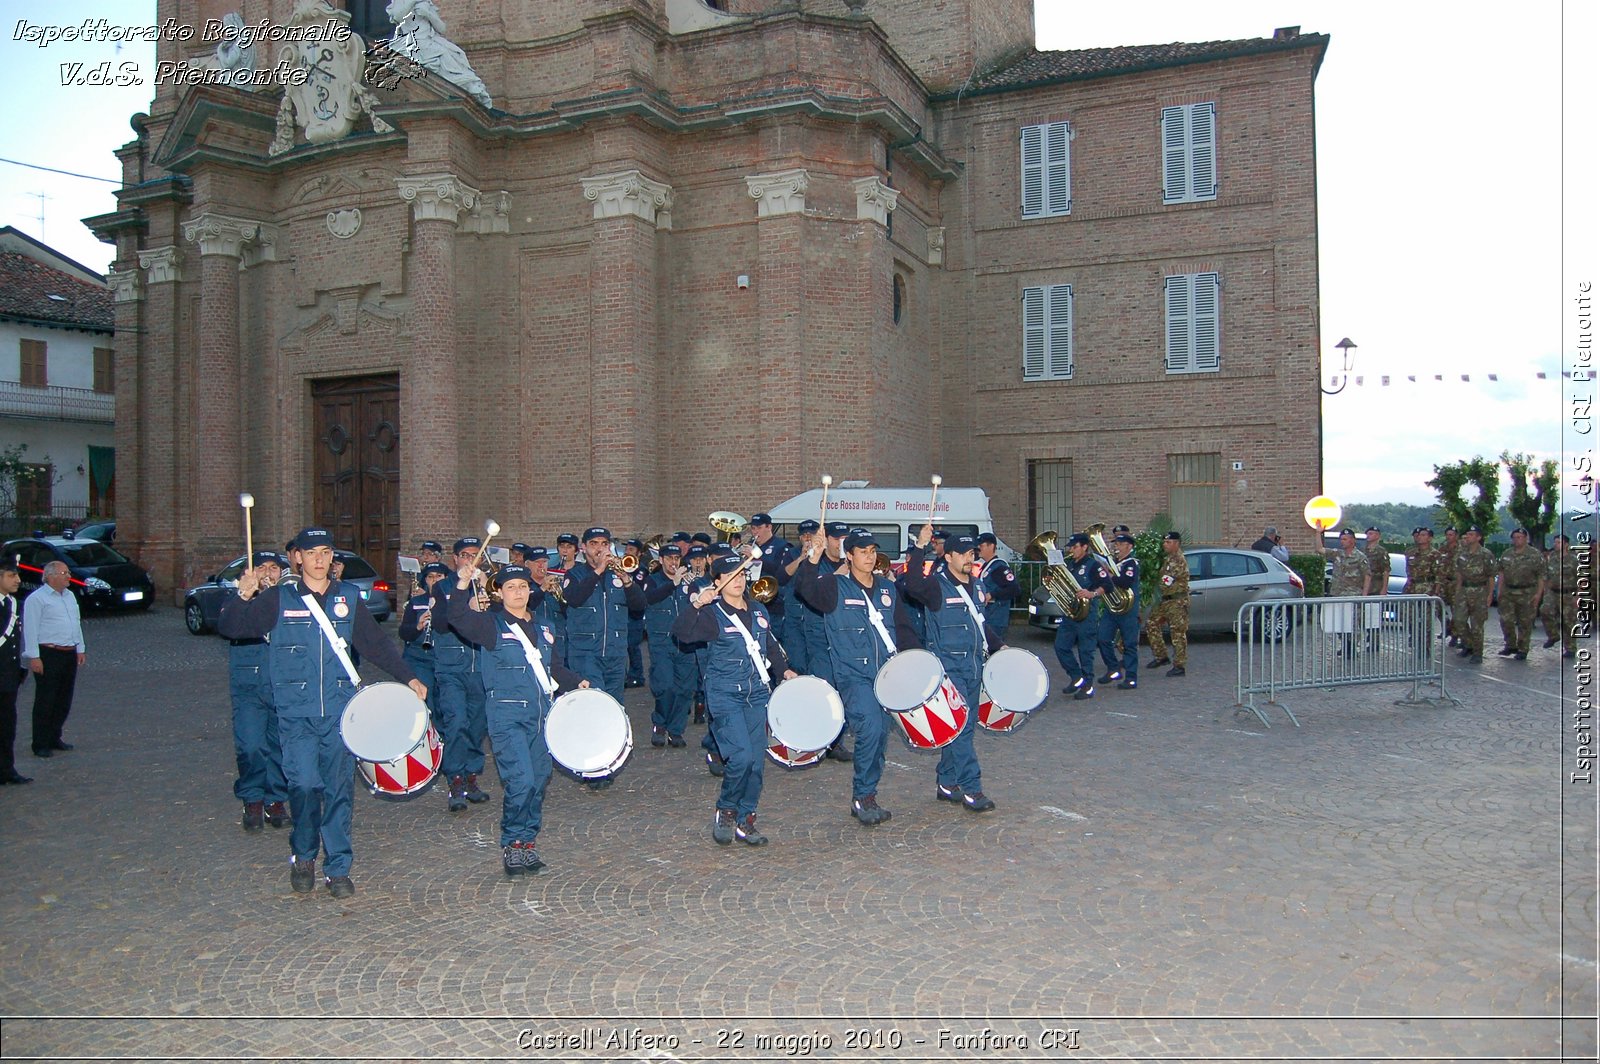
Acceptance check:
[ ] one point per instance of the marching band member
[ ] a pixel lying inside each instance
(797, 616)
(1075, 640)
(999, 582)
(776, 554)
(546, 610)
(521, 677)
(740, 654)
(463, 720)
(674, 673)
(416, 630)
(961, 638)
(598, 601)
(635, 549)
(567, 548)
(311, 687)
(256, 748)
(857, 609)
(819, 662)
(699, 558)
(1126, 577)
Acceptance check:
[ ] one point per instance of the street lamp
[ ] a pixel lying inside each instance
(1347, 349)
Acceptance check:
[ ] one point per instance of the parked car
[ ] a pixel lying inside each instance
(203, 604)
(101, 531)
(1397, 574)
(1221, 579)
(101, 578)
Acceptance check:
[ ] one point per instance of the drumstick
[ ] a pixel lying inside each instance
(248, 501)
(937, 480)
(822, 518)
(491, 529)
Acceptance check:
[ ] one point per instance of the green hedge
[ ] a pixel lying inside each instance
(1313, 570)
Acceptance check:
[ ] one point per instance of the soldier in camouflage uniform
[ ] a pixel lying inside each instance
(1475, 569)
(1352, 575)
(1422, 564)
(1561, 597)
(1173, 609)
(1520, 578)
(1447, 582)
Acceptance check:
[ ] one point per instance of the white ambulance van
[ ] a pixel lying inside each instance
(892, 515)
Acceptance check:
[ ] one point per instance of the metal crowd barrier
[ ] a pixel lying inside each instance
(1293, 644)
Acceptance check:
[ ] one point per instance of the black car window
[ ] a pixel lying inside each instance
(355, 568)
(232, 571)
(37, 555)
(1226, 565)
(88, 553)
(1197, 565)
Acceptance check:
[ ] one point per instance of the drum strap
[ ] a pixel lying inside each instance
(535, 661)
(332, 636)
(977, 618)
(751, 647)
(876, 618)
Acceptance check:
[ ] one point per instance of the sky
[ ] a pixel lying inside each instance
(1441, 227)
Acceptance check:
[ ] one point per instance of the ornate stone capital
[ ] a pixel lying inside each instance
(264, 248)
(630, 193)
(437, 197)
(124, 285)
(936, 245)
(221, 234)
(163, 264)
(874, 199)
(491, 215)
(783, 192)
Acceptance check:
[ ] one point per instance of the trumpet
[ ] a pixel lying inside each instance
(552, 587)
(626, 564)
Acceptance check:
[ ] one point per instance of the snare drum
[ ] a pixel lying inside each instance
(397, 749)
(588, 733)
(804, 716)
(1015, 683)
(913, 686)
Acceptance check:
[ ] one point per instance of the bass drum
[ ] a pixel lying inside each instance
(1015, 683)
(804, 716)
(913, 687)
(588, 733)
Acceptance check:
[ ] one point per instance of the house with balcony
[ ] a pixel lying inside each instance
(57, 390)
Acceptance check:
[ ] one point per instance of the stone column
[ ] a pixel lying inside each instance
(213, 531)
(780, 298)
(430, 395)
(629, 210)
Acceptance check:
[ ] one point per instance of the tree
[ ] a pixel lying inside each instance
(14, 472)
(1536, 510)
(1482, 474)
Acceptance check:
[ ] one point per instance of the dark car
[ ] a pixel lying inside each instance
(101, 578)
(203, 604)
(102, 531)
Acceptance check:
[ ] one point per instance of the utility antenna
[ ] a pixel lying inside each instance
(41, 197)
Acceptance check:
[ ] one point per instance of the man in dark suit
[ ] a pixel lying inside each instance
(11, 670)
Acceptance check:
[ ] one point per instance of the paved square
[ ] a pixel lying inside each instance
(1163, 879)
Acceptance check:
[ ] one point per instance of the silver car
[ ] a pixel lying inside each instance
(1221, 579)
(203, 604)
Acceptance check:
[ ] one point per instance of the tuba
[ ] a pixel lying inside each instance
(1057, 579)
(1118, 600)
(728, 523)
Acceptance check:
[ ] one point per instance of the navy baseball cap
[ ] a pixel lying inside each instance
(807, 527)
(701, 537)
(535, 554)
(289, 546)
(567, 537)
(523, 548)
(681, 537)
(597, 532)
(433, 545)
(432, 569)
(1077, 539)
(720, 549)
(1124, 528)
(269, 557)
(761, 519)
(312, 538)
(726, 564)
(464, 542)
(509, 573)
(671, 550)
(1122, 537)
(989, 538)
(838, 530)
(636, 544)
(859, 539)
(697, 551)
(960, 545)
(940, 533)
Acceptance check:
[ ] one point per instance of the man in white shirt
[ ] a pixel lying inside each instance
(54, 648)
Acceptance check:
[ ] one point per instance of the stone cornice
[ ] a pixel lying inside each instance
(437, 197)
(874, 199)
(629, 193)
(783, 192)
(164, 265)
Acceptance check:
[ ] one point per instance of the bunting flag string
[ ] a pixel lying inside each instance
(1388, 380)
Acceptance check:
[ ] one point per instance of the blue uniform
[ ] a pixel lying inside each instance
(310, 690)
(1000, 582)
(674, 673)
(1126, 576)
(961, 643)
(818, 661)
(463, 721)
(737, 693)
(416, 640)
(1076, 640)
(518, 706)
(776, 554)
(855, 652)
(597, 625)
(256, 747)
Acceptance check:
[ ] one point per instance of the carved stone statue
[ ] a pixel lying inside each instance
(419, 35)
(230, 56)
(326, 104)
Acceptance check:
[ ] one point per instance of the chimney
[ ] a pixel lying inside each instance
(1286, 33)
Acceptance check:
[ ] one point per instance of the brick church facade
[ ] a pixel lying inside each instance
(696, 255)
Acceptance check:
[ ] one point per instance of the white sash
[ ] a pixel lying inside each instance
(11, 624)
(332, 636)
(751, 647)
(534, 659)
(972, 608)
(875, 617)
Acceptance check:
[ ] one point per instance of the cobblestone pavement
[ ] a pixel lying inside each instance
(1164, 878)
